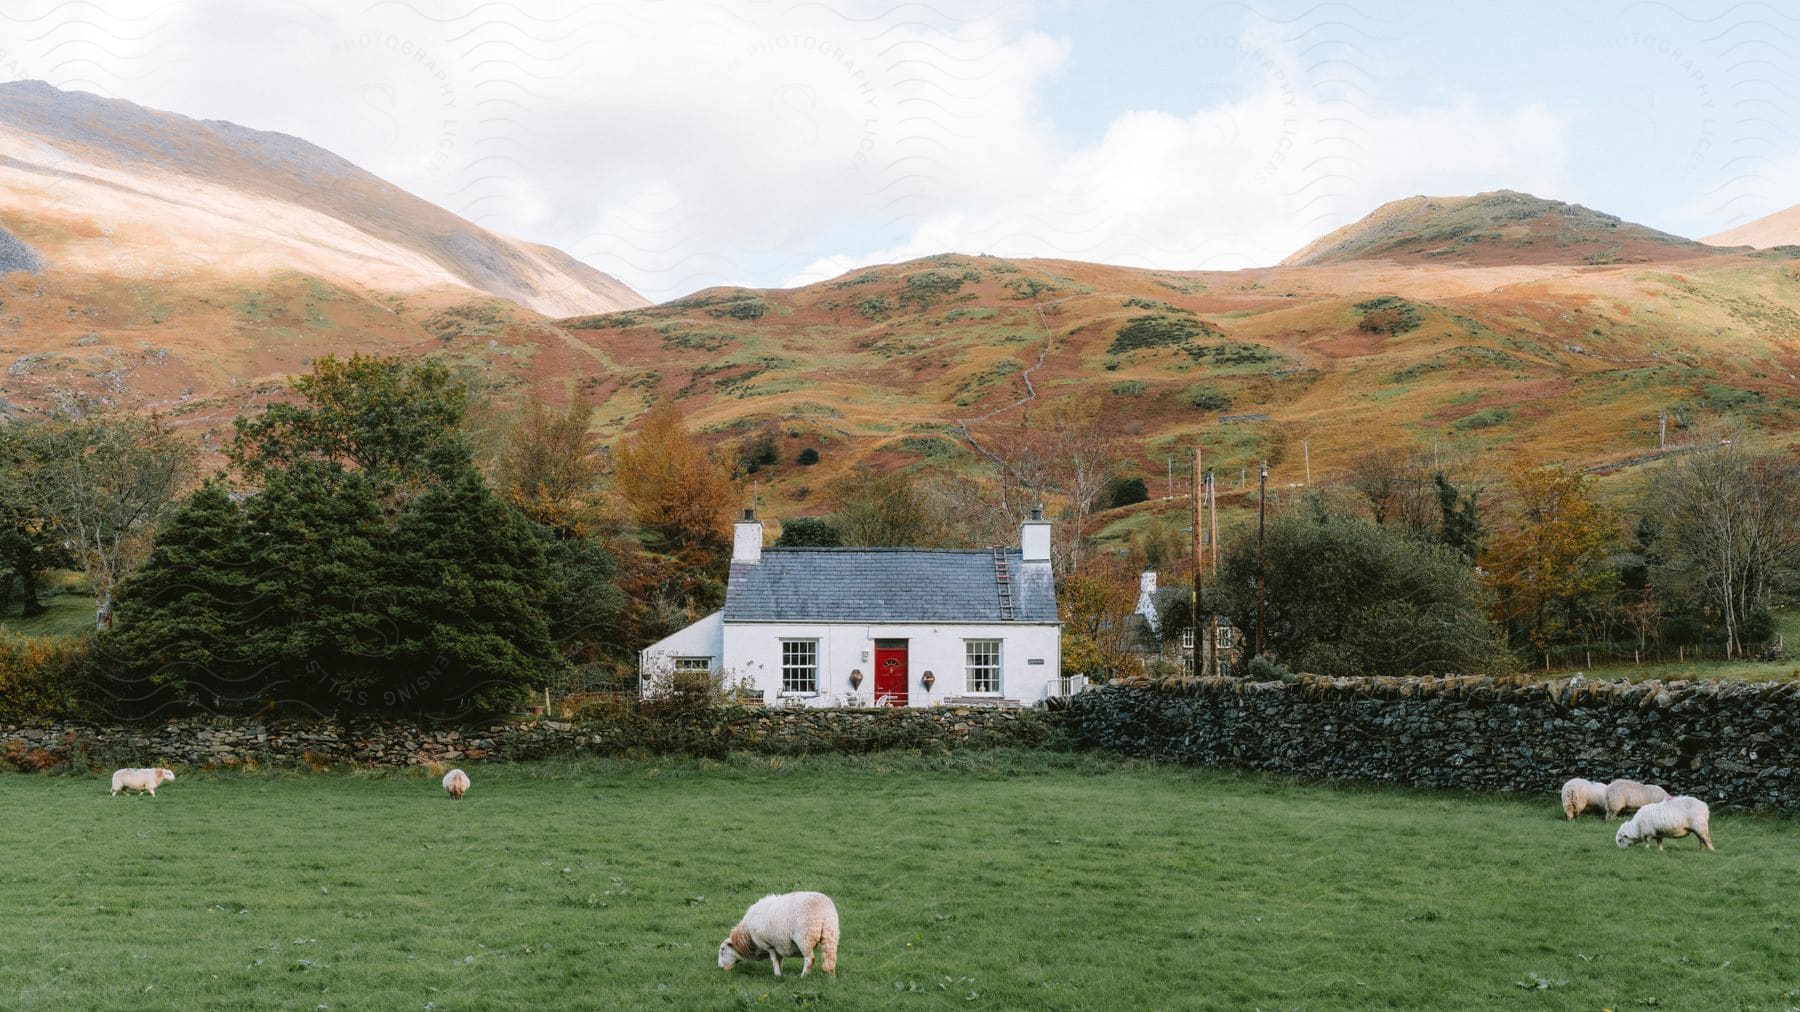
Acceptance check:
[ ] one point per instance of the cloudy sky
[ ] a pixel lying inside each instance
(681, 144)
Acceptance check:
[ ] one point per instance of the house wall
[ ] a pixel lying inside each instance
(704, 638)
(752, 652)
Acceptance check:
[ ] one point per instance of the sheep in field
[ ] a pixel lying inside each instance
(139, 780)
(790, 924)
(1629, 794)
(457, 783)
(1674, 818)
(1579, 795)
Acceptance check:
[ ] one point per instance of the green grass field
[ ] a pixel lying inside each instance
(994, 881)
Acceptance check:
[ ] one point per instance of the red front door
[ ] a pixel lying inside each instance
(890, 672)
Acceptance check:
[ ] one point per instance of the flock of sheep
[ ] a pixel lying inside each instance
(1657, 817)
(775, 927)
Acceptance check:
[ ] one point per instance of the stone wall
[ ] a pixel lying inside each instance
(220, 742)
(1728, 743)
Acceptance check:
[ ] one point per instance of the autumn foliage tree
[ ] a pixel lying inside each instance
(675, 488)
(1552, 562)
(1097, 603)
(679, 494)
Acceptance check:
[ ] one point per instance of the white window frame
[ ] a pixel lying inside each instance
(1187, 638)
(689, 663)
(799, 666)
(997, 666)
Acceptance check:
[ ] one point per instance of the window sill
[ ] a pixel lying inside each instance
(796, 695)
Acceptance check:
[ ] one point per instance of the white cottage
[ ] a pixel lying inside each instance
(879, 626)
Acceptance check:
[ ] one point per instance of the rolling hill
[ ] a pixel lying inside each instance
(900, 365)
(191, 273)
(1779, 229)
(1500, 227)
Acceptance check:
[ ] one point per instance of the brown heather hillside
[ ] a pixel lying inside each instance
(1559, 361)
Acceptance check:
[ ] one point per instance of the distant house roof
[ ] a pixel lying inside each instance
(886, 585)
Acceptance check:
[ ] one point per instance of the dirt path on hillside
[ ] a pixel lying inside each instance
(1030, 390)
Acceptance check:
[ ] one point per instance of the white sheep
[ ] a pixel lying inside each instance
(1674, 818)
(790, 924)
(1579, 795)
(1629, 794)
(457, 783)
(139, 780)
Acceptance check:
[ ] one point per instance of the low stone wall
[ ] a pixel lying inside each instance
(1728, 743)
(222, 742)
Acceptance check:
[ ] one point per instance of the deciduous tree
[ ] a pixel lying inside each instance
(1553, 559)
(675, 488)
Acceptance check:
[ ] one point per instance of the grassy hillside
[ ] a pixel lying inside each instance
(1557, 356)
(1147, 888)
(888, 365)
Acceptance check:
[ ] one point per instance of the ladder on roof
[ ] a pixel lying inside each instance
(1003, 581)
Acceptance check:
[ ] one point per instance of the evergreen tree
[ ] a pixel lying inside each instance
(469, 580)
(321, 634)
(1460, 525)
(184, 617)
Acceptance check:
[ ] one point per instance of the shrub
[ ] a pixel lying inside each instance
(808, 456)
(1206, 397)
(1262, 669)
(1157, 331)
(1388, 314)
(747, 308)
(1123, 492)
(1128, 388)
(43, 677)
(808, 532)
(758, 453)
(26, 760)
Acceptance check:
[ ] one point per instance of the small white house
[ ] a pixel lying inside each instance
(879, 626)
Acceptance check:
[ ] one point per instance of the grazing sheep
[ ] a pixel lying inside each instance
(139, 780)
(1674, 818)
(790, 924)
(1629, 794)
(1579, 795)
(457, 783)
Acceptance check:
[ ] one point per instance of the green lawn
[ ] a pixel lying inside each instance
(994, 881)
(68, 609)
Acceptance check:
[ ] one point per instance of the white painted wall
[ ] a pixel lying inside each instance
(752, 652)
(705, 638)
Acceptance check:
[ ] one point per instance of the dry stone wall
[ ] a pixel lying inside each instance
(1729, 743)
(221, 742)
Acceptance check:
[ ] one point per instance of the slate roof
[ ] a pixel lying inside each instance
(885, 585)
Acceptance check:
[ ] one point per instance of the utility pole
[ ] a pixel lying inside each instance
(1212, 625)
(1662, 431)
(1262, 512)
(1306, 452)
(1199, 562)
(1212, 506)
(1171, 463)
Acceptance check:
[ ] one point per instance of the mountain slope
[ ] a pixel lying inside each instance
(1491, 228)
(898, 366)
(1779, 229)
(111, 183)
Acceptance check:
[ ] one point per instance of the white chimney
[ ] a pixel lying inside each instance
(1034, 537)
(746, 538)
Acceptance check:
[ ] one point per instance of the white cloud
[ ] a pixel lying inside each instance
(678, 145)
